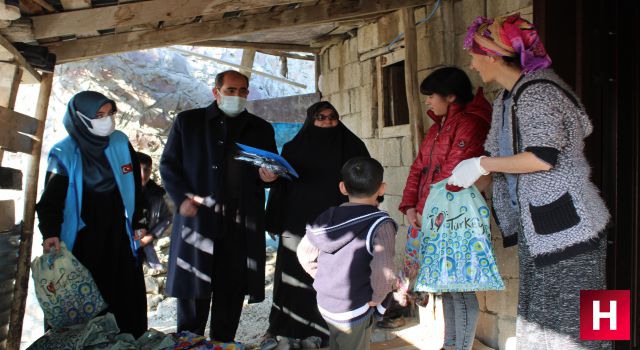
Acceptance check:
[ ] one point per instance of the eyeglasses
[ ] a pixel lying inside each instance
(322, 117)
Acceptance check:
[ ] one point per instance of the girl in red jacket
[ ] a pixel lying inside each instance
(461, 122)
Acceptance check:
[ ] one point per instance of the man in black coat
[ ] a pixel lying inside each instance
(217, 247)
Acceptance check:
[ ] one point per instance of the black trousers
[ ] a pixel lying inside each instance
(229, 287)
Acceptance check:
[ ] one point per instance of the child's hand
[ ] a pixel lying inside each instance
(402, 297)
(373, 304)
(412, 217)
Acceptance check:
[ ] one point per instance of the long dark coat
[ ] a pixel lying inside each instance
(196, 160)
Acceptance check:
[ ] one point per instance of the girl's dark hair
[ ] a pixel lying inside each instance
(448, 81)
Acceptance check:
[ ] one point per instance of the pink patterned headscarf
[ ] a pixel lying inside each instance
(510, 36)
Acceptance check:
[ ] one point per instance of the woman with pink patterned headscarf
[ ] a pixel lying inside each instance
(543, 198)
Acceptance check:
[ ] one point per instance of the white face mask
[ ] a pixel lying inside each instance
(101, 127)
(232, 105)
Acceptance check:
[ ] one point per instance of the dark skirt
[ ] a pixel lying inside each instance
(549, 299)
(103, 247)
(294, 312)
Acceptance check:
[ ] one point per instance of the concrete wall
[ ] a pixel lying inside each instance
(350, 84)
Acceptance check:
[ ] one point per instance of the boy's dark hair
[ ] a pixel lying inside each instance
(448, 81)
(144, 159)
(362, 176)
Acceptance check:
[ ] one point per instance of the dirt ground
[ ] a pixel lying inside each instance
(253, 322)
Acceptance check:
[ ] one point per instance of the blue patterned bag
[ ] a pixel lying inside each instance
(456, 254)
(65, 289)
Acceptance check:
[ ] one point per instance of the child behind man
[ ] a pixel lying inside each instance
(349, 251)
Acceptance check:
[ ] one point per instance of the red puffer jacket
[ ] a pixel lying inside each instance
(458, 136)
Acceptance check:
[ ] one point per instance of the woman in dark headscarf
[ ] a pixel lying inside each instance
(92, 203)
(317, 153)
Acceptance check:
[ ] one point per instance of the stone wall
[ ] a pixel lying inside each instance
(351, 85)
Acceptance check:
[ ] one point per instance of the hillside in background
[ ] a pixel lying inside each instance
(152, 86)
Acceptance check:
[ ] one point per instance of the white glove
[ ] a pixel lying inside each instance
(467, 172)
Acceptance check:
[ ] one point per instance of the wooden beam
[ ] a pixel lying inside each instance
(381, 51)
(10, 75)
(74, 50)
(45, 5)
(7, 215)
(288, 55)
(75, 4)
(6, 49)
(411, 76)
(329, 40)
(90, 20)
(258, 46)
(20, 30)
(10, 179)
(28, 7)
(18, 122)
(13, 141)
(239, 67)
(70, 5)
(248, 56)
(30, 194)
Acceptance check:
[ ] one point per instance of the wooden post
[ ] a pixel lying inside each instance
(284, 66)
(411, 76)
(10, 75)
(24, 257)
(449, 34)
(248, 56)
(9, 53)
(380, 94)
(318, 68)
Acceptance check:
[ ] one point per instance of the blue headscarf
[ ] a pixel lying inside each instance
(97, 172)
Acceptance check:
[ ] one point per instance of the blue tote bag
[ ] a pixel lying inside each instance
(456, 254)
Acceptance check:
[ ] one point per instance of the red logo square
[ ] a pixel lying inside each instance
(605, 315)
(127, 168)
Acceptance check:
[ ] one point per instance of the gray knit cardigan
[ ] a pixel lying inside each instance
(561, 211)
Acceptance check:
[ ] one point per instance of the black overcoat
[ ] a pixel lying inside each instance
(196, 160)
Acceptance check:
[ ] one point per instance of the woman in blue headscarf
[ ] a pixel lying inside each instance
(92, 202)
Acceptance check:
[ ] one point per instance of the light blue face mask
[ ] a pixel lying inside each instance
(232, 105)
